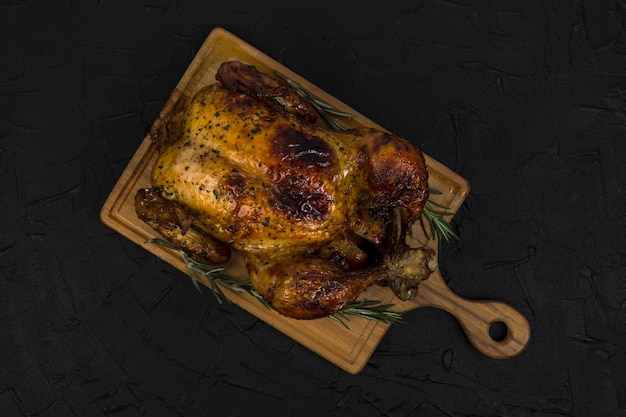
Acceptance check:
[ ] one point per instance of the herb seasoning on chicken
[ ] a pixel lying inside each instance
(318, 215)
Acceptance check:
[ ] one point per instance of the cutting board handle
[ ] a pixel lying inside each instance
(479, 319)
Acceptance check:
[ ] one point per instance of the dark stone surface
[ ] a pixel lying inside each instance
(525, 99)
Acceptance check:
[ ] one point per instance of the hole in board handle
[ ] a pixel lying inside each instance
(498, 331)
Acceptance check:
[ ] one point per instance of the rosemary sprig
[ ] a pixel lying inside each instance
(439, 227)
(368, 309)
(214, 274)
(325, 109)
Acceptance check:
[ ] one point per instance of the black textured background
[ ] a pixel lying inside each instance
(525, 99)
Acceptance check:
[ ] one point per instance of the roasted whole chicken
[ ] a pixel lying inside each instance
(318, 214)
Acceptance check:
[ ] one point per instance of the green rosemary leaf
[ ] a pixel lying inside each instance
(421, 219)
(339, 320)
(190, 272)
(162, 242)
(439, 227)
(368, 309)
(325, 109)
(430, 202)
(339, 113)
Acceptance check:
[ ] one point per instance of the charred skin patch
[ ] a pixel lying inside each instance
(297, 196)
(301, 151)
(305, 163)
(235, 183)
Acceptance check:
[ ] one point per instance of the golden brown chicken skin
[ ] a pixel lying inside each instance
(310, 209)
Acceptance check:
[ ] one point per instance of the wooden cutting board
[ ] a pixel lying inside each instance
(348, 348)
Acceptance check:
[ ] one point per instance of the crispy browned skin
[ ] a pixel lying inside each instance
(309, 288)
(310, 209)
(174, 222)
(237, 76)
